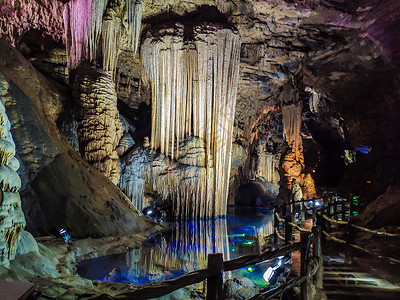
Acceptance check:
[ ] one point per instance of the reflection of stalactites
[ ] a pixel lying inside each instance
(194, 88)
(191, 243)
(291, 115)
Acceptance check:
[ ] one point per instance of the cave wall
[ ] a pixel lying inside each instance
(59, 189)
(341, 57)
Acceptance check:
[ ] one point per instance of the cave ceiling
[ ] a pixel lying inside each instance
(347, 51)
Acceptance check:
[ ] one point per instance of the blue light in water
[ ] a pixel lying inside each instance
(364, 149)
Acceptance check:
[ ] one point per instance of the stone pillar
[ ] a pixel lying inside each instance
(99, 127)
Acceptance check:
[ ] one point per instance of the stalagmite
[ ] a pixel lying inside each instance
(87, 24)
(132, 181)
(12, 219)
(194, 86)
(293, 157)
(99, 127)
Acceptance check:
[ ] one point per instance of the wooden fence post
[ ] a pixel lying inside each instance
(215, 282)
(350, 239)
(317, 253)
(276, 224)
(352, 208)
(321, 222)
(314, 211)
(288, 229)
(343, 210)
(283, 209)
(329, 208)
(302, 211)
(335, 209)
(306, 293)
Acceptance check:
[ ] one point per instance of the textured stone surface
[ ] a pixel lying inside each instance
(99, 127)
(346, 52)
(12, 220)
(59, 188)
(239, 288)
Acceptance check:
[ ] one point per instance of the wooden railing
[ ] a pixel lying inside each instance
(311, 264)
(330, 212)
(332, 219)
(216, 266)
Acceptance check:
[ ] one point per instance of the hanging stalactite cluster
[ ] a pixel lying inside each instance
(291, 116)
(194, 86)
(93, 24)
(92, 30)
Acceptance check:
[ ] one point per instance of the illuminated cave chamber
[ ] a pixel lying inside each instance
(194, 86)
(93, 29)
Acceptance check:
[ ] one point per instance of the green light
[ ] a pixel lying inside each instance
(250, 269)
(248, 243)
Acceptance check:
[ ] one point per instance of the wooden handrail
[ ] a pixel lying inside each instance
(162, 288)
(248, 260)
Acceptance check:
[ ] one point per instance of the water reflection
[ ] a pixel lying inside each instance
(186, 249)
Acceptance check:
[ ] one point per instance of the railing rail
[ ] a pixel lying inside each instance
(311, 266)
(326, 219)
(216, 267)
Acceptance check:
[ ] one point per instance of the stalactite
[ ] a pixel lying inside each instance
(133, 171)
(134, 13)
(83, 28)
(268, 167)
(194, 88)
(12, 219)
(313, 100)
(111, 29)
(20, 16)
(292, 118)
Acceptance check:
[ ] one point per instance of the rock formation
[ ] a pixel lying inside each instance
(99, 127)
(90, 25)
(194, 86)
(12, 220)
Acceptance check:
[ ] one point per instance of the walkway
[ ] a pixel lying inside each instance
(346, 282)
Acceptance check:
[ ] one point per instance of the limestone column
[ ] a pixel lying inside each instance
(99, 127)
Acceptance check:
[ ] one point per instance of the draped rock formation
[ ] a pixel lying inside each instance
(93, 27)
(292, 157)
(12, 219)
(291, 115)
(194, 85)
(268, 167)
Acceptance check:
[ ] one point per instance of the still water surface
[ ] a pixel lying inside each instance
(186, 248)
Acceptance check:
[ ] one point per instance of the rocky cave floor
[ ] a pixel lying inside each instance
(51, 266)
